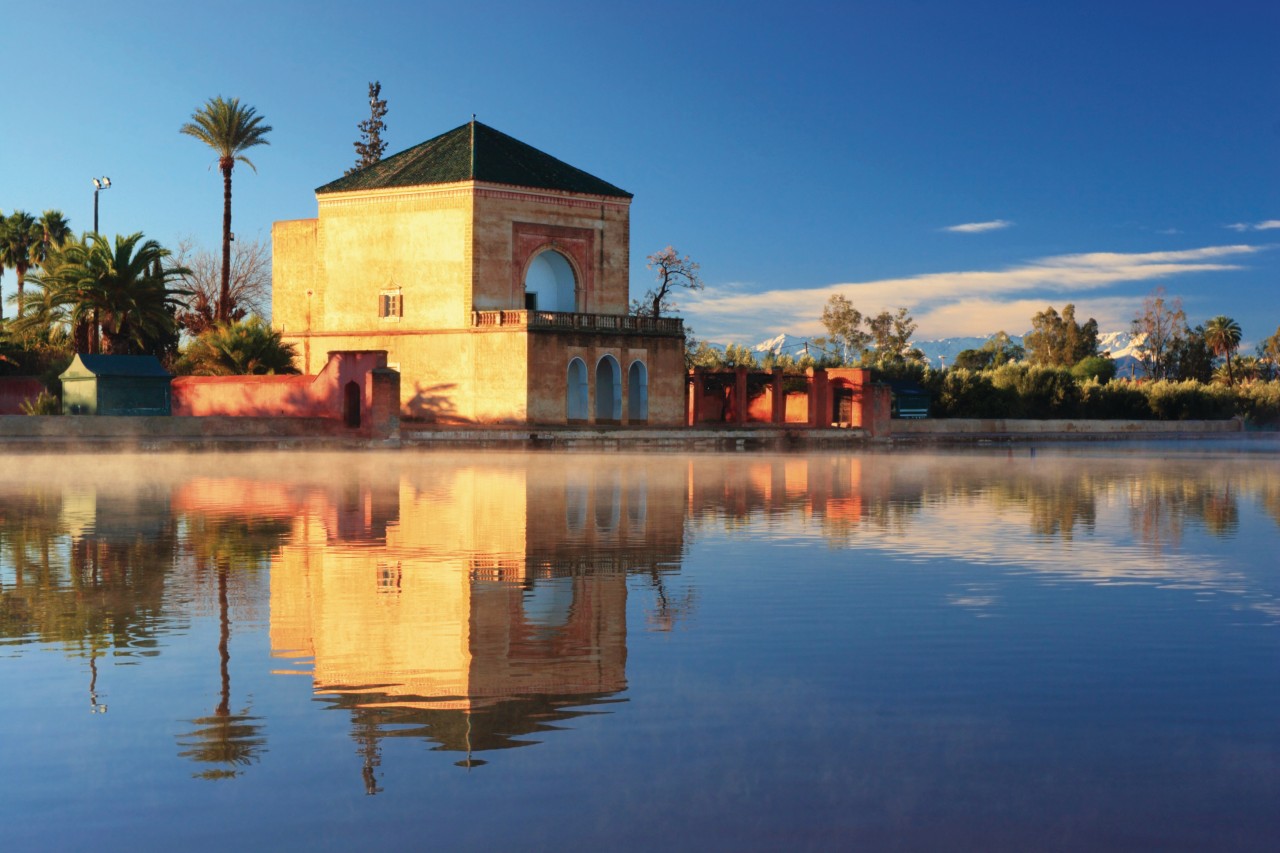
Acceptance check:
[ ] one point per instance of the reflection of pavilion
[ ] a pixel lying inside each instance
(495, 605)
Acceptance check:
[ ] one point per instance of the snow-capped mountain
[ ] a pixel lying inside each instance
(943, 351)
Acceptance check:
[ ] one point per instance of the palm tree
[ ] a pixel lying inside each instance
(20, 246)
(57, 231)
(117, 294)
(247, 348)
(1222, 334)
(228, 129)
(2, 232)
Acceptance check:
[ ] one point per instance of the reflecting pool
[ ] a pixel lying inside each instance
(1030, 648)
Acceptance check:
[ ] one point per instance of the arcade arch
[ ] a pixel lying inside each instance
(608, 389)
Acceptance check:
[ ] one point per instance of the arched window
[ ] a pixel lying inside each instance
(608, 503)
(549, 284)
(637, 506)
(637, 393)
(608, 390)
(576, 391)
(576, 496)
(548, 606)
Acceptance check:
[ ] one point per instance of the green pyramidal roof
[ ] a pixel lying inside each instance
(473, 152)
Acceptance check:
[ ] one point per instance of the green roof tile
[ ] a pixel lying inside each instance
(476, 152)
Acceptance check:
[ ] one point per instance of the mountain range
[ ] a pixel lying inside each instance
(1121, 346)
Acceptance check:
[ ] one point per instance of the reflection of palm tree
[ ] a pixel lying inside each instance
(667, 612)
(224, 739)
(367, 735)
(230, 740)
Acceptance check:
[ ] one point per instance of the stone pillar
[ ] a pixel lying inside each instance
(779, 398)
(384, 409)
(877, 403)
(693, 406)
(740, 401)
(819, 398)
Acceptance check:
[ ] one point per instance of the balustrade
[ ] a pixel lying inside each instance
(580, 322)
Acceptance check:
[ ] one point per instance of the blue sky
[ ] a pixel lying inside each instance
(1096, 150)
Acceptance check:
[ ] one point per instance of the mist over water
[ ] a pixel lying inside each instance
(1049, 648)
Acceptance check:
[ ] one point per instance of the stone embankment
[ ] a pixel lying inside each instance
(38, 434)
(969, 430)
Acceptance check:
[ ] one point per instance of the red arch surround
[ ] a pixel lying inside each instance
(576, 245)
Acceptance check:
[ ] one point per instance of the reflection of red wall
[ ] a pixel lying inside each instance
(317, 396)
(16, 389)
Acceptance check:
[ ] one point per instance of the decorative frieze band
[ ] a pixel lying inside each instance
(360, 198)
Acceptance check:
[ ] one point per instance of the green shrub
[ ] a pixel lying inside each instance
(1039, 391)
(1113, 401)
(970, 394)
(43, 403)
(1190, 401)
(247, 348)
(1099, 367)
(1259, 402)
(900, 370)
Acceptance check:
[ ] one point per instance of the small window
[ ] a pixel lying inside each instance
(389, 578)
(390, 305)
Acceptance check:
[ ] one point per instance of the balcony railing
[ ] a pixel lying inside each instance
(610, 323)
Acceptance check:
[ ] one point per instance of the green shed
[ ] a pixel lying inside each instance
(115, 385)
(909, 399)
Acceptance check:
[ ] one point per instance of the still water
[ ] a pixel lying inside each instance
(1070, 649)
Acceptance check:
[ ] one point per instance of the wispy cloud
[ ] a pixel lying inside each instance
(1265, 225)
(979, 227)
(964, 302)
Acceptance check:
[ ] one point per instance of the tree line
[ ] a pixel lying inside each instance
(1058, 370)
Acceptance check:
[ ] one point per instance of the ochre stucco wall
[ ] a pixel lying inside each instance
(459, 376)
(294, 271)
(417, 240)
(513, 225)
(449, 250)
(513, 375)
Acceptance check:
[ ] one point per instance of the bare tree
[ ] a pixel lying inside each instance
(249, 283)
(1163, 328)
(672, 272)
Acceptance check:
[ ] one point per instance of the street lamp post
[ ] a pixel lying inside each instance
(99, 184)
